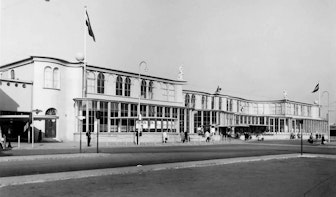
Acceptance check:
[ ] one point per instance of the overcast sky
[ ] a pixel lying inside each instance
(250, 48)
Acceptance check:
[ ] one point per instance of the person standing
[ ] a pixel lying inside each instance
(88, 135)
(9, 135)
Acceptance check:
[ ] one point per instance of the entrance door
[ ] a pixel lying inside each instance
(50, 125)
(50, 128)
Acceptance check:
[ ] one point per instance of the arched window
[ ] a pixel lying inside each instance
(187, 100)
(193, 101)
(12, 74)
(203, 102)
(100, 83)
(48, 77)
(143, 88)
(90, 82)
(150, 90)
(51, 111)
(56, 78)
(128, 86)
(119, 84)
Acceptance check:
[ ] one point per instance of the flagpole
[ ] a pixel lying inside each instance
(85, 75)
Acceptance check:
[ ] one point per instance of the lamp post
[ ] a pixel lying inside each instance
(142, 63)
(328, 116)
(81, 59)
(37, 111)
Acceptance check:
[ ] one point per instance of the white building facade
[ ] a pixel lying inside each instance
(54, 88)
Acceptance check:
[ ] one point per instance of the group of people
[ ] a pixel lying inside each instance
(7, 139)
(311, 139)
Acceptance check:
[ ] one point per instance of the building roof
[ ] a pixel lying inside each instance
(78, 64)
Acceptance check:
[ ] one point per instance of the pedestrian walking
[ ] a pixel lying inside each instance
(207, 136)
(88, 135)
(164, 137)
(322, 140)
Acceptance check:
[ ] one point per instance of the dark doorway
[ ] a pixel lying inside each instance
(50, 125)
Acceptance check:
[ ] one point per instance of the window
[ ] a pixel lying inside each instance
(193, 101)
(56, 78)
(143, 110)
(12, 74)
(134, 110)
(48, 78)
(151, 111)
(150, 90)
(90, 82)
(124, 110)
(220, 103)
(159, 111)
(167, 112)
(203, 102)
(143, 89)
(100, 83)
(212, 102)
(187, 100)
(119, 86)
(114, 109)
(174, 112)
(128, 86)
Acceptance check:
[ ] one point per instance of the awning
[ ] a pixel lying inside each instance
(45, 117)
(26, 117)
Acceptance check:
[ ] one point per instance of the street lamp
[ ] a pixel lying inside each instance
(142, 63)
(37, 111)
(328, 116)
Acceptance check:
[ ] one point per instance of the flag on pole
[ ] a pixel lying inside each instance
(316, 88)
(88, 24)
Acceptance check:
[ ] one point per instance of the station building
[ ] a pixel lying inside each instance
(48, 95)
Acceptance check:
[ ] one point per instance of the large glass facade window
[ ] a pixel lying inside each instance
(103, 120)
(197, 121)
(128, 86)
(119, 84)
(143, 88)
(100, 83)
(182, 120)
(206, 120)
(213, 117)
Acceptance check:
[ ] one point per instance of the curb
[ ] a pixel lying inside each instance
(40, 178)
